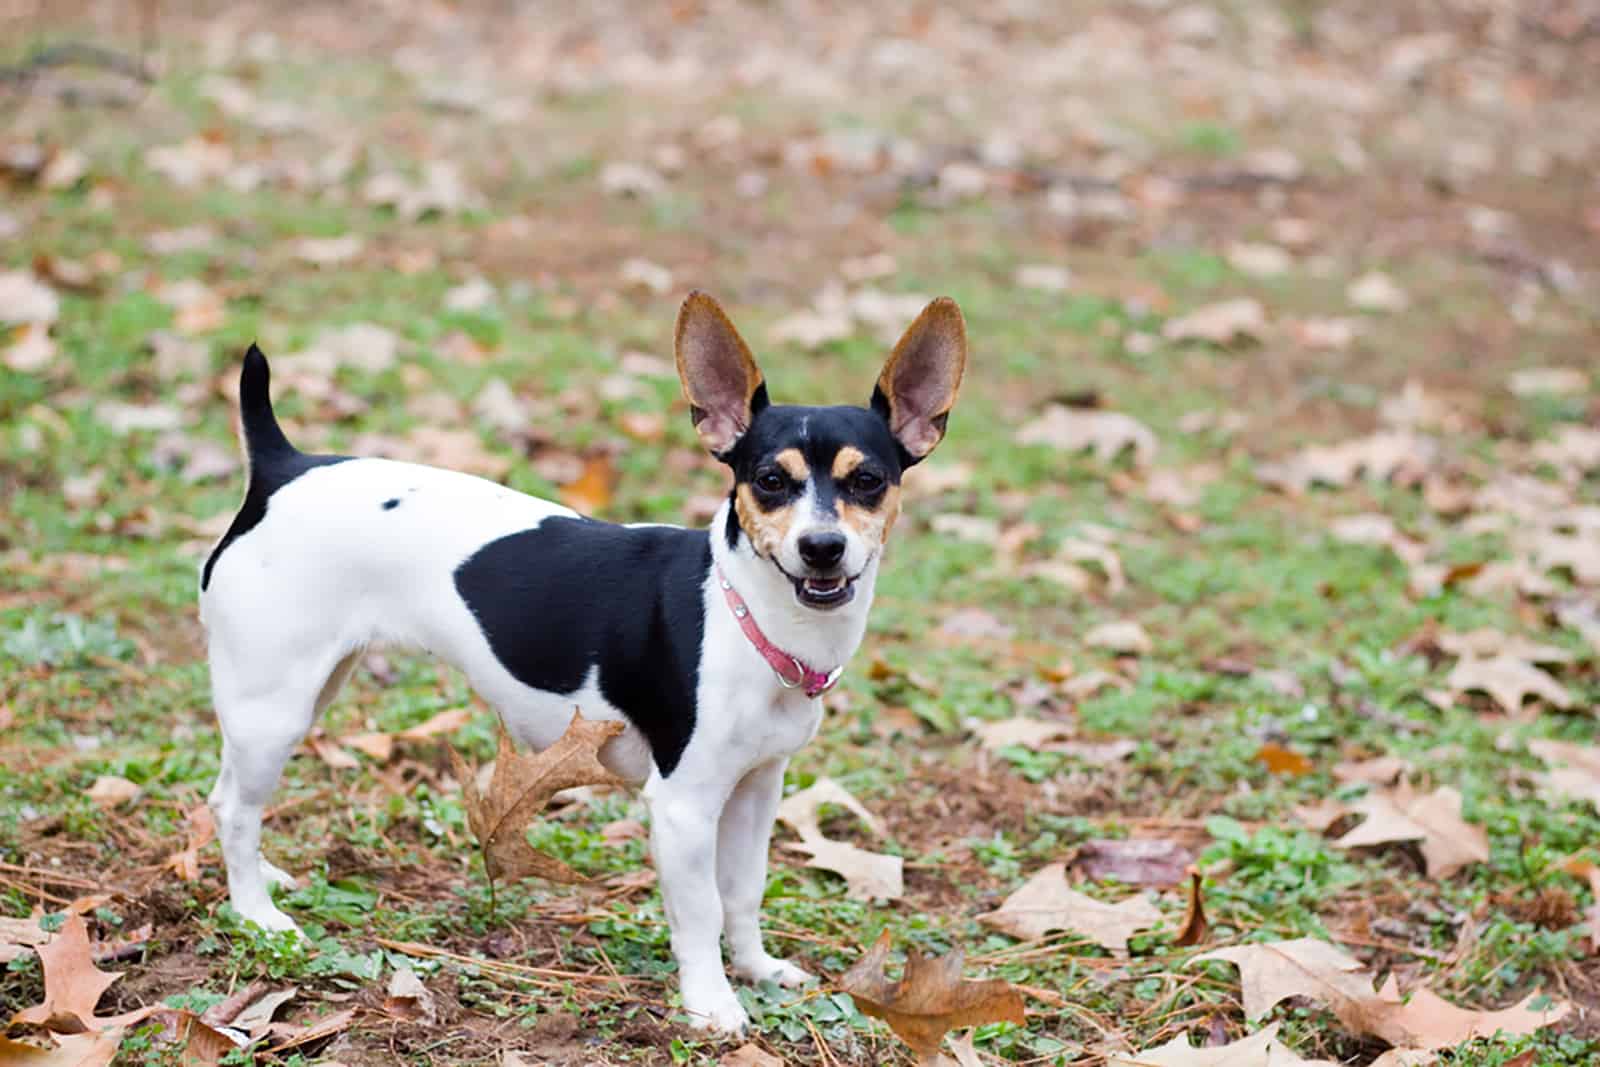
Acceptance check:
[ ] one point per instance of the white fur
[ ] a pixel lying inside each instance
(327, 573)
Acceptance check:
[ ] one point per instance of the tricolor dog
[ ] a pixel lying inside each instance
(711, 646)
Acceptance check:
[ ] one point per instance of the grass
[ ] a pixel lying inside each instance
(103, 655)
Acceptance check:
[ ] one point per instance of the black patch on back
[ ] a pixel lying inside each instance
(268, 474)
(392, 503)
(574, 593)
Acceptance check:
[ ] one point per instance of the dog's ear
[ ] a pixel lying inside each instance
(720, 378)
(918, 385)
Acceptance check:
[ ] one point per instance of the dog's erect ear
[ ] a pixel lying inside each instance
(918, 386)
(720, 378)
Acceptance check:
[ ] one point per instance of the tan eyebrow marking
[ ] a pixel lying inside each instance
(792, 461)
(848, 459)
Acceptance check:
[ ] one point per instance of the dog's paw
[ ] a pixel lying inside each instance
(771, 969)
(274, 875)
(271, 919)
(718, 1013)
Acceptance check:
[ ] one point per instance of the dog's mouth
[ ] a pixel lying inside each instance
(824, 593)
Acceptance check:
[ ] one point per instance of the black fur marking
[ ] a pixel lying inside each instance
(392, 503)
(818, 434)
(572, 594)
(274, 462)
(731, 529)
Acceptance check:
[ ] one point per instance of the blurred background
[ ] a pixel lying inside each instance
(1283, 321)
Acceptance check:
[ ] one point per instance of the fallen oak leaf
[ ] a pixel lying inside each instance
(1261, 1049)
(867, 875)
(94, 1049)
(445, 722)
(1508, 680)
(1274, 971)
(327, 1026)
(1280, 760)
(800, 810)
(73, 985)
(1028, 733)
(109, 791)
(1108, 433)
(1428, 1021)
(202, 827)
(1574, 770)
(1447, 841)
(18, 937)
(930, 999)
(522, 786)
(1046, 902)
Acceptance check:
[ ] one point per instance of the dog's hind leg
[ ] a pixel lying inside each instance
(743, 834)
(262, 721)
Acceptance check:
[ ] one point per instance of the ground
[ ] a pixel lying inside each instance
(462, 233)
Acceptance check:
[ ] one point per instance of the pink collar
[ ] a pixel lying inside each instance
(791, 671)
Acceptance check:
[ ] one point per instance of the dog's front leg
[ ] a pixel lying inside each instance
(742, 839)
(683, 838)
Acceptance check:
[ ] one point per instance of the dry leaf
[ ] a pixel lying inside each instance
(255, 1020)
(591, 491)
(25, 299)
(327, 1026)
(1280, 760)
(72, 983)
(1508, 680)
(379, 746)
(800, 811)
(1560, 381)
(328, 251)
(931, 999)
(18, 937)
(867, 875)
(1391, 456)
(1029, 733)
(1195, 927)
(1377, 292)
(202, 827)
(1125, 636)
(1220, 324)
(408, 998)
(750, 1055)
(109, 791)
(1574, 772)
(1448, 842)
(445, 722)
(1046, 902)
(68, 1050)
(1427, 1021)
(522, 786)
(1075, 429)
(1260, 1049)
(1304, 967)
(31, 349)
(1381, 770)
(1487, 641)
(1136, 861)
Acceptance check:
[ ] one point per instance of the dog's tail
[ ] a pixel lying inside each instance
(263, 437)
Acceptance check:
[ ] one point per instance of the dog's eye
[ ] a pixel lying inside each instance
(865, 482)
(770, 482)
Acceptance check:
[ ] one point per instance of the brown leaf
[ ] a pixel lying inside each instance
(1029, 733)
(379, 746)
(801, 810)
(1220, 324)
(317, 1030)
(1280, 760)
(72, 983)
(1125, 636)
(1108, 433)
(1428, 1021)
(1304, 967)
(66, 1050)
(1136, 861)
(109, 791)
(591, 491)
(1509, 680)
(1434, 820)
(1261, 1049)
(1195, 927)
(1046, 902)
(1574, 772)
(1380, 770)
(522, 786)
(749, 1056)
(19, 936)
(867, 875)
(444, 722)
(202, 825)
(408, 998)
(329, 752)
(931, 999)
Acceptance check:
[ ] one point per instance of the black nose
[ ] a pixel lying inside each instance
(822, 549)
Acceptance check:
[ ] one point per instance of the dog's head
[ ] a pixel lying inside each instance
(816, 489)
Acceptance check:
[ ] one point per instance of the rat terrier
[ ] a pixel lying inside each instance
(711, 646)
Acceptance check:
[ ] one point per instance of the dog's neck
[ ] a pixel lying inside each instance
(822, 640)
